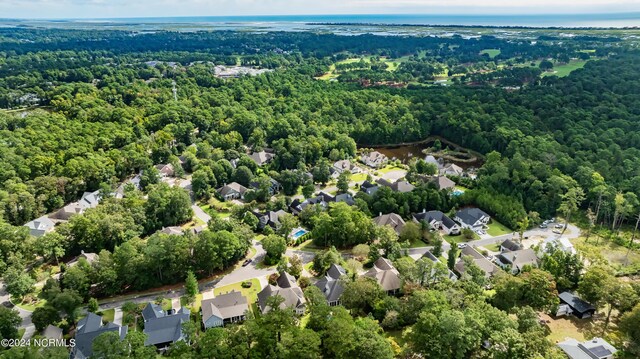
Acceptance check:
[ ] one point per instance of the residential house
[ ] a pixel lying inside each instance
(596, 348)
(172, 230)
(452, 170)
(369, 188)
(269, 218)
(437, 221)
(481, 261)
(572, 304)
(88, 329)
(288, 289)
(402, 187)
(383, 182)
(444, 183)
(88, 256)
(432, 160)
(428, 255)
(510, 246)
(561, 243)
(231, 191)
(473, 218)
(392, 220)
(52, 332)
(163, 328)
(226, 308)
(331, 286)
(345, 166)
(346, 198)
(298, 205)
(88, 200)
(517, 260)
(262, 157)
(166, 170)
(386, 275)
(39, 226)
(374, 159)
(274, 186)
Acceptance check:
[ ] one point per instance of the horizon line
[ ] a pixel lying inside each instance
(572, 14)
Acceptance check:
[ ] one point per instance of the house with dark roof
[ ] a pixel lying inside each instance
(287, 288)
(443, 183)
(163, 328)
(88, 256)
(274, 187)
(473, 218)
(428, 255)
(269, 218)
(40, 226)
(386, 275)
(345, 197)
(231, 191)
(510, 246)
(345, 166)
(374, 159)
(596, 348)
(383, 182)
(330, 284)
(478, 259)
(517, 260)
(226, 308)
(570, 304)
(88, 329)
(262, 157)
(369, 188)
(392, 220)
(298, 205)
(437, 221)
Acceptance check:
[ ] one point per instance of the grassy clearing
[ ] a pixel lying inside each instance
(615, 254)
(493, 247)
(563, 327)
(108, 315)
(29, 306)
(193, 306)
(497, 229)
(491, 52)
(417, 244)
(308, 246)
(565, 69)
(250, 293)
(390, 168)
(359, 177)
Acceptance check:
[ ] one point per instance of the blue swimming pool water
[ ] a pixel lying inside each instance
(299, 233)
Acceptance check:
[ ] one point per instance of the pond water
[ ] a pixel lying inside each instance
(407, 152)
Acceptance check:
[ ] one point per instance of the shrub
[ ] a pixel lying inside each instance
(246, 284)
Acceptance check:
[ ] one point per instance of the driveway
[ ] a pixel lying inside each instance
(572, 232)
(394, 175)
(200, 213)
(253, 270)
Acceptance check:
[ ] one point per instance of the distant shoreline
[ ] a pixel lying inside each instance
(517, 27)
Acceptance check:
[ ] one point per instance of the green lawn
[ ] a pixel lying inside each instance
(491, 52)
(250, 293)
(166, 304)
(359, 177)
(31, 306)
(565, 69)
(108, 315)
(21, 332)
(388, 169)
(309, 247)
(417, 243)
(493, 247)
(497, 229)
(193, 306)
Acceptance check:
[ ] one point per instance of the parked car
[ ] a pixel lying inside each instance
(543, 225)
(552, 220)
(462, 245)
(7, 304)
(246, 262)
(559, 225)
(557, 231)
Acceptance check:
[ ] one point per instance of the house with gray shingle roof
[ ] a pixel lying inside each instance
(330, 284)
(231, 191)
(473, 218)
(392, 220)
(262, 157)
(437, 221)
(374, 159)
(88, 329)
(288, 289)
(481, 261)
(163, 327)
(39, 226)
(443, 183)
(596, 348)
(517, 260)
(225, 308)
(52, 332)
(386, 275)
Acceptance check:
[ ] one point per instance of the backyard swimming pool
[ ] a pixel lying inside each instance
(298, 232)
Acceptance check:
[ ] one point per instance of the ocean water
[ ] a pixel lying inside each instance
(565, 20)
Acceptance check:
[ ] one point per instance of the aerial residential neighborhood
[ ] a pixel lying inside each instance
(289, 179)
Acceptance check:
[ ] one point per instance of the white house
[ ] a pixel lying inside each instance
(39, 226)
(561, 243)
(473, 218)
(596, 348)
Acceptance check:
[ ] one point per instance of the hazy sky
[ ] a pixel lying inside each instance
(148, 8)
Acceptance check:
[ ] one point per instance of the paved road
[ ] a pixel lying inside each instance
(253, 270)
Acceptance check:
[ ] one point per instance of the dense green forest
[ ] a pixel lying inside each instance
(87, 110)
